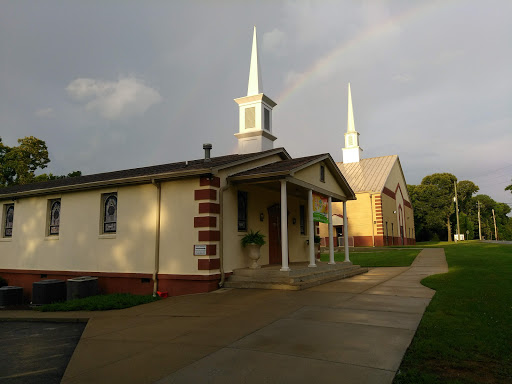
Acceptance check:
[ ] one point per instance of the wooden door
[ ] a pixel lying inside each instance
(274, 234)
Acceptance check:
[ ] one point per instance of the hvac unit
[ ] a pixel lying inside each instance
(48, 291)
(10, 295)
(83, 286)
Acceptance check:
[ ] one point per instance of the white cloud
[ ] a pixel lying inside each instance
(402, 78)
(45, 112)
(127, 97)
(274, 41)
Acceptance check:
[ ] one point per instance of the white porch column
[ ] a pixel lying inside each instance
(345, 231)
(311, 230)
(284, 228)
(331, 243)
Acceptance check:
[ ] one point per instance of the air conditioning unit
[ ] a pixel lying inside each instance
(83, 286)
(48, 291)
(10, 295)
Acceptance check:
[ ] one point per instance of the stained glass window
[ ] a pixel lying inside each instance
(55, 217)
(9, 220)
(242, 211)
(110, 216)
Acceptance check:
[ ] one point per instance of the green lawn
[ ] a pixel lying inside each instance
(99, 303)
(465, 335)
(377, 257)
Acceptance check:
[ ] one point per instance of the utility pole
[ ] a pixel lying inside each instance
(495, 230)
(457, 211)
(479, 224)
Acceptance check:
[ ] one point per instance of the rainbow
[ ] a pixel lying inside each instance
(366, 35)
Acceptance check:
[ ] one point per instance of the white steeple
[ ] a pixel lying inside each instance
(255, 86)
(352, 151)
(255, 122)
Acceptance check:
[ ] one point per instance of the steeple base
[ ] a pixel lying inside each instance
(256, 141)
(352, 155)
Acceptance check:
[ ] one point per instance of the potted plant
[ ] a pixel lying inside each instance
(317, 247)
(253, 242)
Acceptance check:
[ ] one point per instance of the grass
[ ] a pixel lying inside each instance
(377, 257)
(99, 303)
(465, 335)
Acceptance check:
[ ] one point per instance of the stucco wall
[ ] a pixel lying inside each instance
(80, 246)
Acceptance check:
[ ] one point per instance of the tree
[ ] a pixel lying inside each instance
(441, 191)
(509, 188)
(465, 190)
(19, 164)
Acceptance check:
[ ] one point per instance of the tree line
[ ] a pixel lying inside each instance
(434, 210)
(18, 164)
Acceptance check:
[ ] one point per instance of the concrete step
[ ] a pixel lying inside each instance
(295, 283)
(284, 277)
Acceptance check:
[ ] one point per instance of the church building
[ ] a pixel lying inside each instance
(173, 227)
(382, 214)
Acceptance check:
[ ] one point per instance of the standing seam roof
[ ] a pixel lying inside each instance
(368, 175)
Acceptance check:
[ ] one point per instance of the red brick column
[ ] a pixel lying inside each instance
(206, 222)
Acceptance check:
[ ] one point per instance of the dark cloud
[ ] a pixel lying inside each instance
(430, 80)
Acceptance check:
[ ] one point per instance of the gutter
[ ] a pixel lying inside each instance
(157, 236)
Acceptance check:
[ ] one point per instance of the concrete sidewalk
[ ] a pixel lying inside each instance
(357, 329)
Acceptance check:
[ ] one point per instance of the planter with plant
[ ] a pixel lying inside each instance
(253, 242)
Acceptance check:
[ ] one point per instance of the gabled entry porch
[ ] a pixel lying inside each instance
(281, 196)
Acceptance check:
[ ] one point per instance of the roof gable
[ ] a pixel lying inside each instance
(368, 175)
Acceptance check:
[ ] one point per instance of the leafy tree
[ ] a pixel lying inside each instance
(18, 164)
(51, 176)
(441, 191)
(509, 188)
(465, 190)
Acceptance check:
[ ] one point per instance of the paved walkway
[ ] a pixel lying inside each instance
(357, 329)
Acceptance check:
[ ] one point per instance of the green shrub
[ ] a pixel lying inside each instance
(99, 303)
(3, 282)
(253, 238)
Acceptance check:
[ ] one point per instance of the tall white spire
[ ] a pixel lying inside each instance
(350, 121)
(255, 122)
(352, 151)
(255, 86)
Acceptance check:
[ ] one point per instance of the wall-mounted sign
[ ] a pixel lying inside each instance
(320, 208)
(199, 250)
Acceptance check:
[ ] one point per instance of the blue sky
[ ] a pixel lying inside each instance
(122, 84)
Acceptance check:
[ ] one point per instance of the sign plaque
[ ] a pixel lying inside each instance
(199, 250)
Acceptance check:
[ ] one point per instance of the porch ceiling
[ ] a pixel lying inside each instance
(295, 187)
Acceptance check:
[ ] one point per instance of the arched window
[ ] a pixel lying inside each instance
(110, 215)
(9, 220)
(55, 217)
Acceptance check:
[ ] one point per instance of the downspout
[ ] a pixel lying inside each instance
(373, 233)
(221, 242)
(157, 236)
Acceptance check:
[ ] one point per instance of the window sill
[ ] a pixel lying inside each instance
(107, 236)
(6, 239)
(47, 238)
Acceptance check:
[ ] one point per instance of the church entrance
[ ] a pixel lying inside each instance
(274, 234)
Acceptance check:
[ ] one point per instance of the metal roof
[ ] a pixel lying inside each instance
(368, 175)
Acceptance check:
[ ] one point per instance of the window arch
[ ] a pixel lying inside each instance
(110, 214)
(9, 220)
(55, 217)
